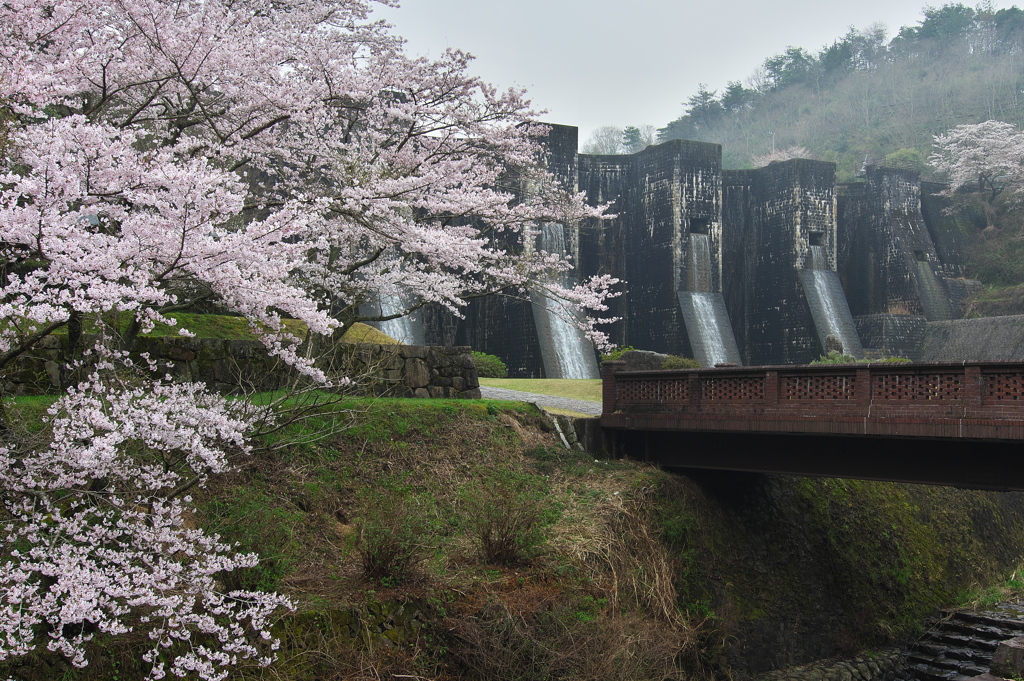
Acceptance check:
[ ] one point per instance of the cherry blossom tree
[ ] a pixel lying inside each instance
(779, 155)
(989, 155)
(284, 158)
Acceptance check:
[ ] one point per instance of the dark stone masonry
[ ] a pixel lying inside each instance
(239, 366)
(795, 257)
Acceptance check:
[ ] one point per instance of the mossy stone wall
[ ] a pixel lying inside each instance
(237, 366)
(793, 569)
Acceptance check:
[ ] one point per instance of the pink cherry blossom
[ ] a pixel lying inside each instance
(989, 155)
(283, 157)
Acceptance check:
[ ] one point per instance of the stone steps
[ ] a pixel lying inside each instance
(960, 644)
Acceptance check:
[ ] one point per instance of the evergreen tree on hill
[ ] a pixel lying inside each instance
(865, 95)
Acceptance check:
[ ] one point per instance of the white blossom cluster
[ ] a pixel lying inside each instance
(282, 157)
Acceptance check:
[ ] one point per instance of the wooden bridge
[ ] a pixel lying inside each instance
(956, 424)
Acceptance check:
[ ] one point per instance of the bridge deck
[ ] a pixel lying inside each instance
(906, 422)
(965, 400)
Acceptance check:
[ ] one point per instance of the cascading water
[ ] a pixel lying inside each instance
(710, 332)
(934, 299)
(700, 263)
(816, 258)
(564, 348)
(828, 304)
(704, 312)
(405, 329)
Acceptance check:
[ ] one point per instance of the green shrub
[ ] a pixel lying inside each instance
(508, 513)
(394, 527)
(834, 357)
(908, 158)
(489, 366)
(256, 522)
(677, 362)
(998, 259)
(617, 353)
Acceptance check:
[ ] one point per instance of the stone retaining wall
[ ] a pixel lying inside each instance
(984, 339)
(880, 666)
(411, 370)
(239, 366)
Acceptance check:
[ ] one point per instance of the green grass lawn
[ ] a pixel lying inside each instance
(237, 328)
(219, 326)
(574, 388)
(202, 325)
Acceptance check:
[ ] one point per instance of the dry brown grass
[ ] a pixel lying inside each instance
(898, 307)
(597, 602)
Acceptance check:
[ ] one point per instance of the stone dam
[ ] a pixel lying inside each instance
(748, 267)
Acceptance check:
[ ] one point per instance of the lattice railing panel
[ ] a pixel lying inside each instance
(1004, 386)
(654, 390)
(917, 386)
(818, 388)
(733, 389)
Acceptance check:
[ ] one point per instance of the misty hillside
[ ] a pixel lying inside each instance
(868, 94)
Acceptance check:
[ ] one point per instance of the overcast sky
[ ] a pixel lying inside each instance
(601, 62)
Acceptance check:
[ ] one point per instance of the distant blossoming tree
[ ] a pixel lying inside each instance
(284, 158)
(989, 155)
(779, 155)
(604, 140)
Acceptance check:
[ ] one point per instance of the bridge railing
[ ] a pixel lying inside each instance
(961, 390)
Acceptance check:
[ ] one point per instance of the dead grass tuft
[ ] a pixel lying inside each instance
(898, 307)
(595, 600)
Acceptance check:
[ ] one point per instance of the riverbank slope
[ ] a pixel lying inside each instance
(388, 535)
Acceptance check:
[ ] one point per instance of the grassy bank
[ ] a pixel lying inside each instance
(234, 328)
(459, 540)
(577, 389)
(996, 301)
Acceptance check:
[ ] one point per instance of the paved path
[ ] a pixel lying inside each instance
(582, 406)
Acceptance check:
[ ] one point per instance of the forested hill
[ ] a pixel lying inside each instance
(869, 94)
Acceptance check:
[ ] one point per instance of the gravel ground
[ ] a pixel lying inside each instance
(582, 406)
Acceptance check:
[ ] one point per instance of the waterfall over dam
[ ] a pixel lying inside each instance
(406, 329)
(828, 304)
(699, 274)
(565, 350)
(704, 313)
(934, 300)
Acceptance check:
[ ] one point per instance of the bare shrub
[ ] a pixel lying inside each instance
(508, 513)
(565, 639)
(393, 532)
(898, 307)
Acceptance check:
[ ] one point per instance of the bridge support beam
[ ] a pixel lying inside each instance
(958, 463)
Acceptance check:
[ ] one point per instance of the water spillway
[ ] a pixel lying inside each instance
(934, 298)
(699, 274)
(565, 350)
(828, 304)
(704, 313)
(407, 329)
(707, 325)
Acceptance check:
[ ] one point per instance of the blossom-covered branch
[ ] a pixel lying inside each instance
(283, 158)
